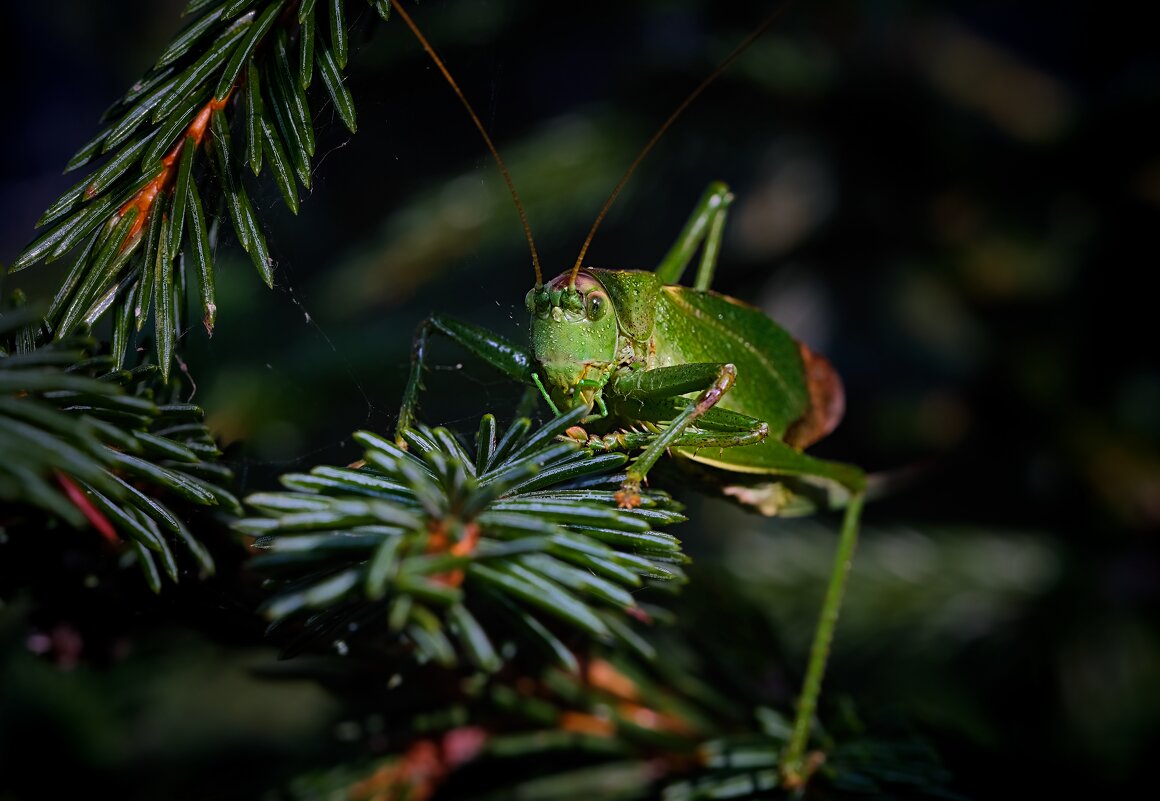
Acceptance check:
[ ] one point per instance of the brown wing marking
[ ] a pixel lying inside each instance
(827, 401)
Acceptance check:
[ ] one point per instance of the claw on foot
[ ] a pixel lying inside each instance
(577, 433)
(628, 497)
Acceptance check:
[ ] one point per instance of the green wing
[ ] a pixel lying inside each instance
(699, 326)
(774, 457)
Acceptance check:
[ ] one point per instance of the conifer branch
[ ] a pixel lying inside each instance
(508, 567)
(91, 444)
(450, 555)
(151, 210)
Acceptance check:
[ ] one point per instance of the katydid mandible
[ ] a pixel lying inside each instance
(662, 367)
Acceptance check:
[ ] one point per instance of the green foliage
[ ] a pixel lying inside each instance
(468, 561)
(451, 551)
(144, 222)
(452, 558)
(89, 443)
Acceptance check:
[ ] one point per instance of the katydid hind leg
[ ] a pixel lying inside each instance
(796, 764)
(712, 249)
(489, 347)
(705, 226)
(781, 459)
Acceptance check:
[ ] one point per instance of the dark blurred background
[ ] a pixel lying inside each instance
(957, 202)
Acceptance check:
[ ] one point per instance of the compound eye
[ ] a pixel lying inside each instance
(597, 305)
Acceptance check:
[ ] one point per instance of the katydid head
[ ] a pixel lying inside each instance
(575, 332)
(574, 337)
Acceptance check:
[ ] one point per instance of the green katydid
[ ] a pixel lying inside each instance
(663, 367)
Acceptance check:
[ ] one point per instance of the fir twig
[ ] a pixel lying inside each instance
(151, 209)
(90, 444)
(452, 552)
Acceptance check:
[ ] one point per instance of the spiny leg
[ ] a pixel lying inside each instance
(715, 429)
(712, 249)
(706, 224)
(627, 441)
(414, 380)
(488, 346)
(670, 381)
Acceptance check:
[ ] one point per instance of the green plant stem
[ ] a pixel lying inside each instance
(793, 762)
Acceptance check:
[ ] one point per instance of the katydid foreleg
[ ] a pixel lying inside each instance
(628, 441)
(637, 386)
(490, 347)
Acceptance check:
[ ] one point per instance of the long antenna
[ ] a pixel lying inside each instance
(729, 59)
(490, 146)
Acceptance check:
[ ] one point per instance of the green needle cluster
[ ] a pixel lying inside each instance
(457, 552)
